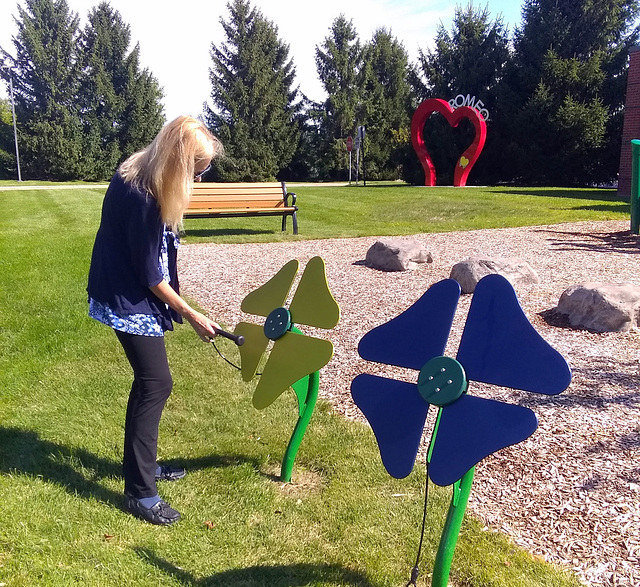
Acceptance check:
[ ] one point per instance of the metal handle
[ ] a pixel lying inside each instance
(237, 338)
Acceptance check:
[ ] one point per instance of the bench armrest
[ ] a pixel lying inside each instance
(286, 194)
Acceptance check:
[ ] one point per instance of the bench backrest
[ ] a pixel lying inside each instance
(234, 195)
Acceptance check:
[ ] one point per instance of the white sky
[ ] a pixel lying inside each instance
(175, 37)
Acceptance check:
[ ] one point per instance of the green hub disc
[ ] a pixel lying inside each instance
(442, 381)
(277, 324)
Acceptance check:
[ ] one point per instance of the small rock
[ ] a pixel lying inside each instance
(394, 254)
(468, 272)
(603, 307)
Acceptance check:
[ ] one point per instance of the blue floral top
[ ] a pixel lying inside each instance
(140, 324)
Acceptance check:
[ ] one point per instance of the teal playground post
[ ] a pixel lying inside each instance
(635, 187)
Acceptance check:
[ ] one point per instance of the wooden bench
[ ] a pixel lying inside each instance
(213, 200)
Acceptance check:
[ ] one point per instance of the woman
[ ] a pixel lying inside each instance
(133, 288)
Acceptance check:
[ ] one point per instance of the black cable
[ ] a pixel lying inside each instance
(415, 572)
(213, 342)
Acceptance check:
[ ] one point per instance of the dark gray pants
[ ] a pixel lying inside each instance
(150, 390)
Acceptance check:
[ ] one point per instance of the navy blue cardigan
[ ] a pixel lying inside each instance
(126, 253)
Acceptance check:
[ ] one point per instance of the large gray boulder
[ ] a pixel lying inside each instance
(395, 254)
(603, 307)
(472, 269)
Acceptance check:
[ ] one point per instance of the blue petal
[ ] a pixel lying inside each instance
(500, 346)
(397, 413)
(418, 334)
(471, 429)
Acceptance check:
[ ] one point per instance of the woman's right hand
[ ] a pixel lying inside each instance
(205, 328)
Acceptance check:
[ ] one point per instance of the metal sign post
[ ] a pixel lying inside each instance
(357, 157)
(361, 135)
(349, 149)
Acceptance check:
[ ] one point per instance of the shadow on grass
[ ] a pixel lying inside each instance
(620, 207)
(262, 575)
(74, 468)
(588, 194)
(77, 470)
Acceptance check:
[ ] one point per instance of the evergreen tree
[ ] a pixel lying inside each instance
(46, 84)
(143, 114)
(121, 108)
(255, 105)
(469, 60)
(385, 103)
(339, 65)
(7, 146)
(568, 89)
(305, 165)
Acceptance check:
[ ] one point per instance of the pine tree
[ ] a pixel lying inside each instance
(7, 147)
(469, 60)
(46, 84)
(385, 103)
(255, 104)
(121, 108)
(339, 63)
(143, 114)
(568, 89)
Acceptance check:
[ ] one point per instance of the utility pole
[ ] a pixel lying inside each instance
(13, 116)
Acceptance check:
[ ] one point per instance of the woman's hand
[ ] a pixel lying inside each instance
(204, 327)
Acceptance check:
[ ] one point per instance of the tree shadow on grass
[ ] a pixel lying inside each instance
(297, 575)
(598, 195)
(77, 470)
(74, 468)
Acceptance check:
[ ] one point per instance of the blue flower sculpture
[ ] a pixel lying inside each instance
(498, 346)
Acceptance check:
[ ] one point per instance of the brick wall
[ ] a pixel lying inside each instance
(631, 128)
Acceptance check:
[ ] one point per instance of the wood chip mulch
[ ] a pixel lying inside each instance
(571, 492)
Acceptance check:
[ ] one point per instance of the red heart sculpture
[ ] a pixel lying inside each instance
(453, 116)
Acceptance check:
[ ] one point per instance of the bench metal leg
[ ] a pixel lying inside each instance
(295, 223)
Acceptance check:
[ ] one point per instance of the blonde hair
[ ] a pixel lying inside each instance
(165, 169)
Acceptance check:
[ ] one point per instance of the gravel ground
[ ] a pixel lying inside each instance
(571, 492)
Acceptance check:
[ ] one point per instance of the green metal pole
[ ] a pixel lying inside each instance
(306, 407)
(306, 390)
(635, 186)
(451, 530)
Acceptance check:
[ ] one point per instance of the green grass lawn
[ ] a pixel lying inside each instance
(391, 209)
(63, 390)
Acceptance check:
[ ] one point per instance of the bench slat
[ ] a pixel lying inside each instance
(257, 199)
(276, 193)
(239, 210)
(200, 185)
